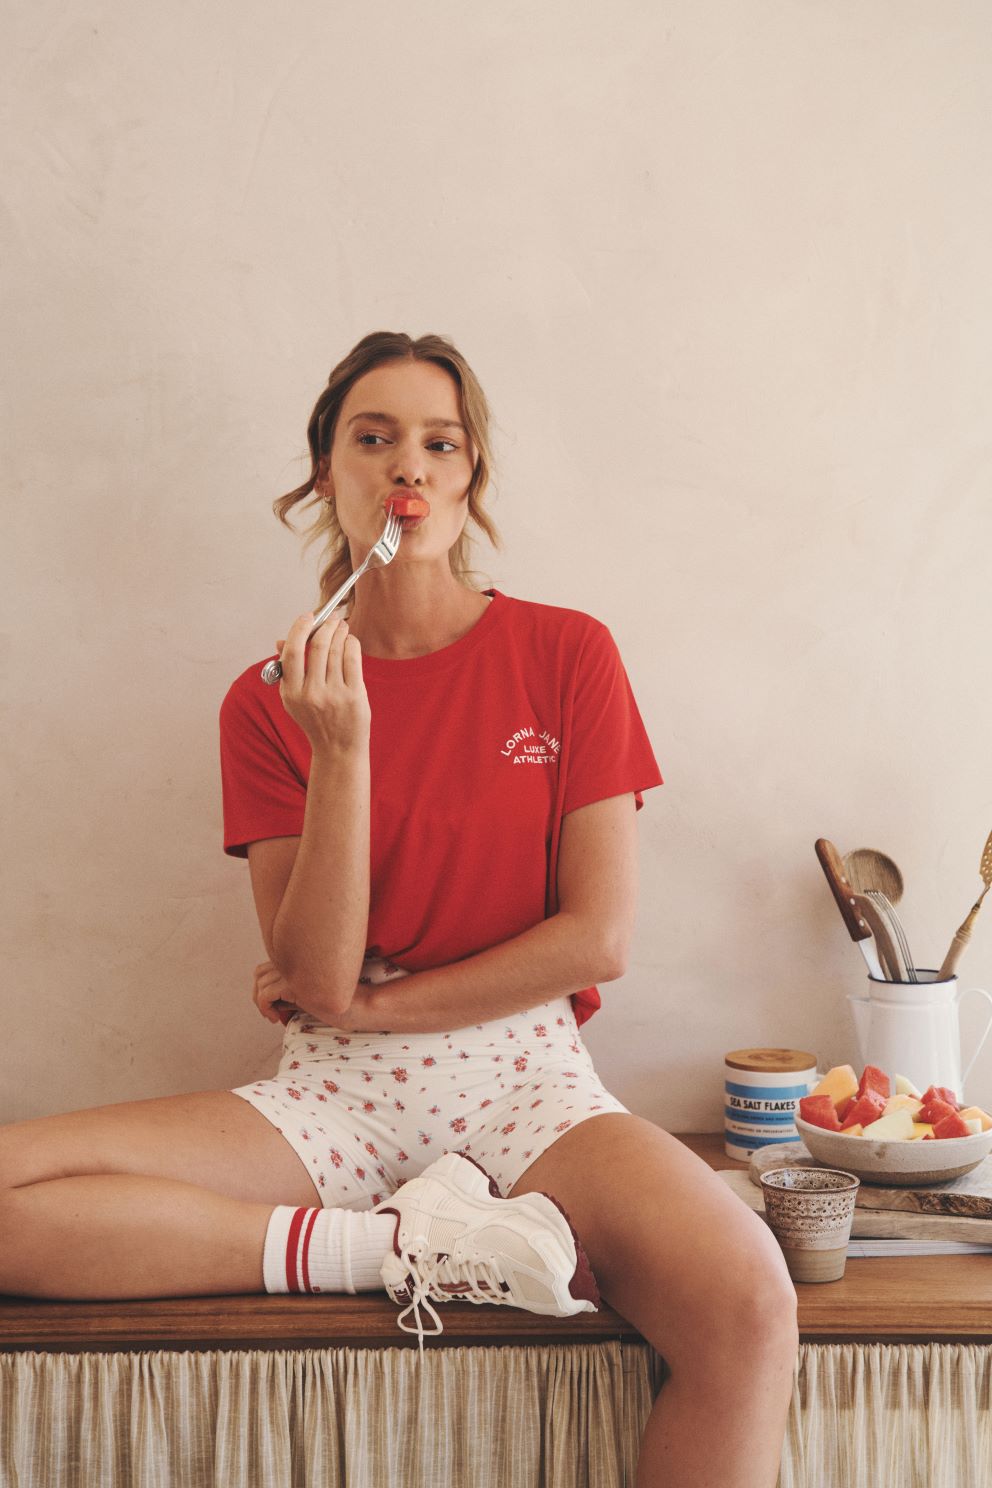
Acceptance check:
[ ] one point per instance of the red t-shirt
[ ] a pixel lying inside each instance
(477, 752)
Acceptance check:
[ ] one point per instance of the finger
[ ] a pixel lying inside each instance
(270, 986)
(351, 661)
(335, 653)
(266, 1009)
(292, 655)
(319, 647)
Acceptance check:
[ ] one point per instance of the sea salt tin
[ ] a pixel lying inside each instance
(762, 1091)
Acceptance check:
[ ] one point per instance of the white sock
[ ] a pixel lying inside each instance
(326, 1250)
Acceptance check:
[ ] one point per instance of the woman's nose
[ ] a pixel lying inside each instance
(408, 465)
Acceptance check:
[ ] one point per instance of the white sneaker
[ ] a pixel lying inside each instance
(458, 1239)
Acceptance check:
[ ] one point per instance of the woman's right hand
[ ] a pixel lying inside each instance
(322, 687)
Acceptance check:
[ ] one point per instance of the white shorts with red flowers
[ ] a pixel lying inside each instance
(365, 1112)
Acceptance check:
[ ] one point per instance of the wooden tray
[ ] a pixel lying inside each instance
(970, 1195)
(886, 1224)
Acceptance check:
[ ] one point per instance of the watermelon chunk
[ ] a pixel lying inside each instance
(951, 1126)
(819, 1110)
(408, 506)
(941, 1092)
(866, 1109)
(872, 1078)
(935, 1111)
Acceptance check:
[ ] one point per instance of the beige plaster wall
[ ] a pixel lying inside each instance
(723, 271)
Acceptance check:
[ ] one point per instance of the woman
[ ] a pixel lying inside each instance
(438, 809)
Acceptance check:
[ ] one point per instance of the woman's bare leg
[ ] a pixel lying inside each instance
(702, 1278)
(158, 1198)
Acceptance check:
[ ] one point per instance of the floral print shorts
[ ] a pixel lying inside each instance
(365, 1112)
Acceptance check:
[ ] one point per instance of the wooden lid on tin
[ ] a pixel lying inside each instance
(770, 1061)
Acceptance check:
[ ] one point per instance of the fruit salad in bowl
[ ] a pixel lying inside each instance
(900, 1137)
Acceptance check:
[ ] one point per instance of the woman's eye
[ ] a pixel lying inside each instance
(448, 442)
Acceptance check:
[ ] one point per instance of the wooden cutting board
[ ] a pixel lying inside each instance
(969, 1195)
(884, 1224)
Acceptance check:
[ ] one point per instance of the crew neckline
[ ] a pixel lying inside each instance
(385, 668)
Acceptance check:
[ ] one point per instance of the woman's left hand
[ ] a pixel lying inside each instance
(273, 999)
(272, 995)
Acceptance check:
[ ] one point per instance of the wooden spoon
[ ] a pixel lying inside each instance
(868, 869)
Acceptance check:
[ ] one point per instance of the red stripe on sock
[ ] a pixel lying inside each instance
(295, 1226)
(305, 1251)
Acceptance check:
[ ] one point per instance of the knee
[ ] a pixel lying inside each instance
(759, 1306)
(744, 1309)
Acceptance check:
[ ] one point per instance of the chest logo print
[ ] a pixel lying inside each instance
(526, 746)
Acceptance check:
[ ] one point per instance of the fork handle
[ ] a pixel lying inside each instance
(962, 935)
(272, 670)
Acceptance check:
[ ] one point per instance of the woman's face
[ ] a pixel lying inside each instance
(400, 429)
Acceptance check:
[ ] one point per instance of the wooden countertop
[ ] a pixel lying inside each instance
(881, 1299)
(886, 1299)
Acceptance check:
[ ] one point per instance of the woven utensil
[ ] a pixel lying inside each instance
(963, 934)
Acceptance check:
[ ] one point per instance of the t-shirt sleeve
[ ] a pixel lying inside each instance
(610, 751)
(264, 793)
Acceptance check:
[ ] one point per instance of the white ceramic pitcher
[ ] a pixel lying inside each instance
(912, 1029)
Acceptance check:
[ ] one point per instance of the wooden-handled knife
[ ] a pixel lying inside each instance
(858, 927)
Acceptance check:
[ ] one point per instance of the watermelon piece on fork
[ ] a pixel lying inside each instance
(409, 509)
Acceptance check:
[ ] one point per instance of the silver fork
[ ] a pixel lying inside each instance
(888, 910)
(385, 551)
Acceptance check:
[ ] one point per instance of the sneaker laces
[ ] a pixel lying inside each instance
(446, 1280)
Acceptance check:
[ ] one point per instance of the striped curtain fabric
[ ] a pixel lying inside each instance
(570, 1416)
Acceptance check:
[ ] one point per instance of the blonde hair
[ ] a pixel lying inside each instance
(370, 352)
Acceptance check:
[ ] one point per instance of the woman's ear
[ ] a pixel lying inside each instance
(322, 481)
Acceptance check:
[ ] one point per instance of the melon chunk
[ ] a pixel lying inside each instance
(903, 1102)
(894, 1127)
(906, 1087)
(840, 1083)
(970, 1113)
(921, 1129)
(857, 1130)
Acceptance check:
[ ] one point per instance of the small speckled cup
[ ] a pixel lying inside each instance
(810, 1212)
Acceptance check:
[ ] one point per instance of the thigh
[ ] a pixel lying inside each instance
(673, 1249)
(525, 1120)
(212, 1138)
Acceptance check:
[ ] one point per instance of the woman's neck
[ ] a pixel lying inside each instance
(393, 634)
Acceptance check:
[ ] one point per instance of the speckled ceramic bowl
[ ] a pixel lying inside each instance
(899, 1164)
